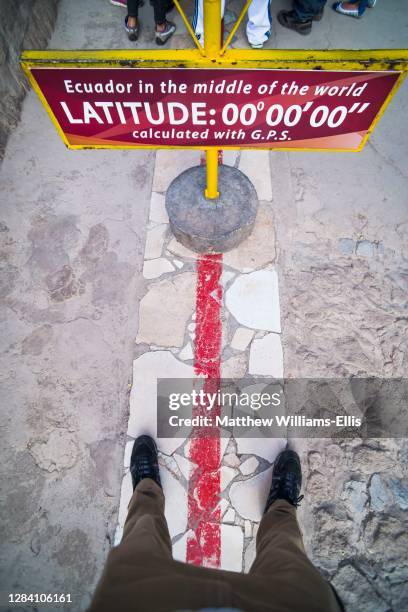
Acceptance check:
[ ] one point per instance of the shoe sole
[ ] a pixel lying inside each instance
(118, 4)
(301, 32)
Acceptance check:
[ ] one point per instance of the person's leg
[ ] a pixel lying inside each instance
(133, 9)
(305, 10)
(146, 527)
(198, 19)
(164, 28)
(300, 18)
(159, 8)
(145, 549)
(280, 553)
(259, 22)
(131, 21)
(145, 546)
(140, 573)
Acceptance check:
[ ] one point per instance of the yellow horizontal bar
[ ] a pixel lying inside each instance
(295, 59)
(207, 148)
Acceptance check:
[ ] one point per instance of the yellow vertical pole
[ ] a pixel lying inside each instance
(212, 47)
(212, 27)
(211, 160)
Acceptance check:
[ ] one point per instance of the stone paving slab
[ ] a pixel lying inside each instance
(167, 320)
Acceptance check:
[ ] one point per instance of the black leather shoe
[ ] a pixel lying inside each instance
(288, 19)
(286, 479)
(144, 462)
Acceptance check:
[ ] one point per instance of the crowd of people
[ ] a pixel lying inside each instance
(299, 19)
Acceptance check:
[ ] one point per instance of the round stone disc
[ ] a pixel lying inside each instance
(211, 226)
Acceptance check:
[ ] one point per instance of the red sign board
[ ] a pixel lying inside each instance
(173, 107)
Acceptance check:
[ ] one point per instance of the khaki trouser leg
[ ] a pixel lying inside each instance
(146, 530)
(140, 574)
(281, 560)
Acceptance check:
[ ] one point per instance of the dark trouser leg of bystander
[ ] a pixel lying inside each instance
(133, 8)
(160, 7)
(305, 10)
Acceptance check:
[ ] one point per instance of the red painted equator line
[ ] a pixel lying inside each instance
(204, 546)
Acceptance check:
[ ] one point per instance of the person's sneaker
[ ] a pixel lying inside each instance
(162, 37)
(144, 462)
(286, 479)
(288, 19)
(256, 45)
(352, 12)
(132, 31)
(339, 8)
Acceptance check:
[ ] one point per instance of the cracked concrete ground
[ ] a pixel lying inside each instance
(73, 231)
(342, 247)
(72, 241)
(341, 238)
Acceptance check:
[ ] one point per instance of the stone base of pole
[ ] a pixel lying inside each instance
(211, 226)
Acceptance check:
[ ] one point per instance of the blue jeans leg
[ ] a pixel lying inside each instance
(362, 5)
(306, 9)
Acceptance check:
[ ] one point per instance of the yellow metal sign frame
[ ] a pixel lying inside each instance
(216, 54)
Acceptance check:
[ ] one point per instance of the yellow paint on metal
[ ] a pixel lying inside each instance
(212, 47)
(274, 59)
(211, 190)
(212, 28)
(236, 26)
(188, 27)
